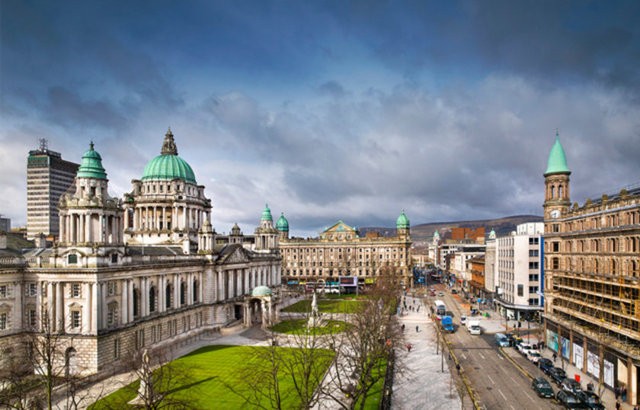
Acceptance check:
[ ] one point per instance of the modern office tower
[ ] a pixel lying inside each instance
(48, 177)
(592, 284)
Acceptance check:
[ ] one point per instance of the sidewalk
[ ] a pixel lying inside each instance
(423, 385)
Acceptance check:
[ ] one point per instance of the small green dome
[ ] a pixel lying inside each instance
(261, 291)
(266, 214)
(557, 162)
(402, 222)
(91, 165)
(282, 225)
(168, 165)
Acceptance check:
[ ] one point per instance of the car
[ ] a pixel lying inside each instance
(440, 294)
(533, 356)
(523, 348)
(453, 291)
(571, 385)
(463, 320)
(542, 387)
(501, 340)
(557, 375)
(590, 399)
(569, 400)
(545, 364)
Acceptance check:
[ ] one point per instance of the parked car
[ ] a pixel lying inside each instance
(571, 385)
(590, 399)
(557, 375)
(545, 364)
(569, 400)
(453, 291)
(523, 348)
(542, 387)
(463, 320)
(440, 294)
(533, 356)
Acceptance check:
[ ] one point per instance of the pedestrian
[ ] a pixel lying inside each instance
(555, 356)
(617, 404)
(417, 329)
(418, 308)
(616, 392)
(403, 327)
(623, 393)
(636, 407)
(409, 346)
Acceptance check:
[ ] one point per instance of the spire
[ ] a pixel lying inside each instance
(169, 145)
(557, 162)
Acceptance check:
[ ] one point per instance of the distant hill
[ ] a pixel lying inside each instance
(424, 232)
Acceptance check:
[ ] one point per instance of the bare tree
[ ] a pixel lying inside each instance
(363, 351)
(300, 358)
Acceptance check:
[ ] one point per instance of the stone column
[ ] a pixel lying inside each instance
(124, 306)
(86, 308)
(161, 294)
(58, 323)
(144, 297)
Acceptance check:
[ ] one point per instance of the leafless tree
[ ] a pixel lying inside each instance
(300, 358)
(364, 349)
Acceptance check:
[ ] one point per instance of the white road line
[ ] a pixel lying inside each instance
(502, 394)
(530, 398)
(489, 377)
(481, 355)
(499, 356)
(463, 356)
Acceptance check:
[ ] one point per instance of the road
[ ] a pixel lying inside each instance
(498, 383)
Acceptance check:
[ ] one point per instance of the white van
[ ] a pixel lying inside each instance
(474, 327)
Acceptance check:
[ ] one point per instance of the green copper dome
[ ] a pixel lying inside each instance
(402, 222)
(168, 165)
(266, 214)
(557, 160)
(282, 225)
(91, 165)
(261, 291)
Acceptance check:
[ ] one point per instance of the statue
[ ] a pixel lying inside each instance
(315, 319)
(314, 305)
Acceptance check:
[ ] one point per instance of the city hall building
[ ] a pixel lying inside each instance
(341, 256)
(592, 284)
(144, 272)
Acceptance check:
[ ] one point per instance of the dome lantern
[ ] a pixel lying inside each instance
(168, 165)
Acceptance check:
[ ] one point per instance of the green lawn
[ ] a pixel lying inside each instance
(299, 326)
(208, 371)
(326, 306)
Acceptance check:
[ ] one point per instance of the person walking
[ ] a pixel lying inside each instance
(617, 404)
(417, 329)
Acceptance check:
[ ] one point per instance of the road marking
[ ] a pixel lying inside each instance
(480, 354)
(530, 398)
(463, 356)
(500, 356)
(489, 377)
(502, 394)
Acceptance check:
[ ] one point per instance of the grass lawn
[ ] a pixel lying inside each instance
(207, 369)
(299, 326)
(326, 306)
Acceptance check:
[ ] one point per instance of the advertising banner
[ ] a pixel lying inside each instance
(552, 340)
(578, 356)
(593, 364)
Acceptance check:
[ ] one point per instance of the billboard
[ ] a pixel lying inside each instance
(347, 281)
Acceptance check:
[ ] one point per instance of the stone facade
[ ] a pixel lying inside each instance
(144, 273)
(340, 251)
(592, 286)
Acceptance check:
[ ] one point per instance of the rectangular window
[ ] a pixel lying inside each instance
(555, 246)
(112, 288)
(31, 289)
(76, 319)
(72, 259)
(533, 302)
(4, 291)
(3, 321)
(140, 339)
(32, 318)
(533, 252)
(533, 241)
(76, 290)
(520, 290)
(534, 265)
(533, 289)
(116, 348)
(534, 278)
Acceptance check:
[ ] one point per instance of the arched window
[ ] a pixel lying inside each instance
(136, 302)
(168, 292)
(152, 299)
(195, 291)
(70, 362)
(553, 191)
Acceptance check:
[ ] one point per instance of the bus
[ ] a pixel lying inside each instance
(440, 309)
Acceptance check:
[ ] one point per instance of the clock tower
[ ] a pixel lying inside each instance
(556, 181)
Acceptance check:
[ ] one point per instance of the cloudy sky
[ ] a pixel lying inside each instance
(329, 110)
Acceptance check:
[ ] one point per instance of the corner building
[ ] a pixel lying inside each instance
(592, 285)
(148, 272)
(340, 252)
